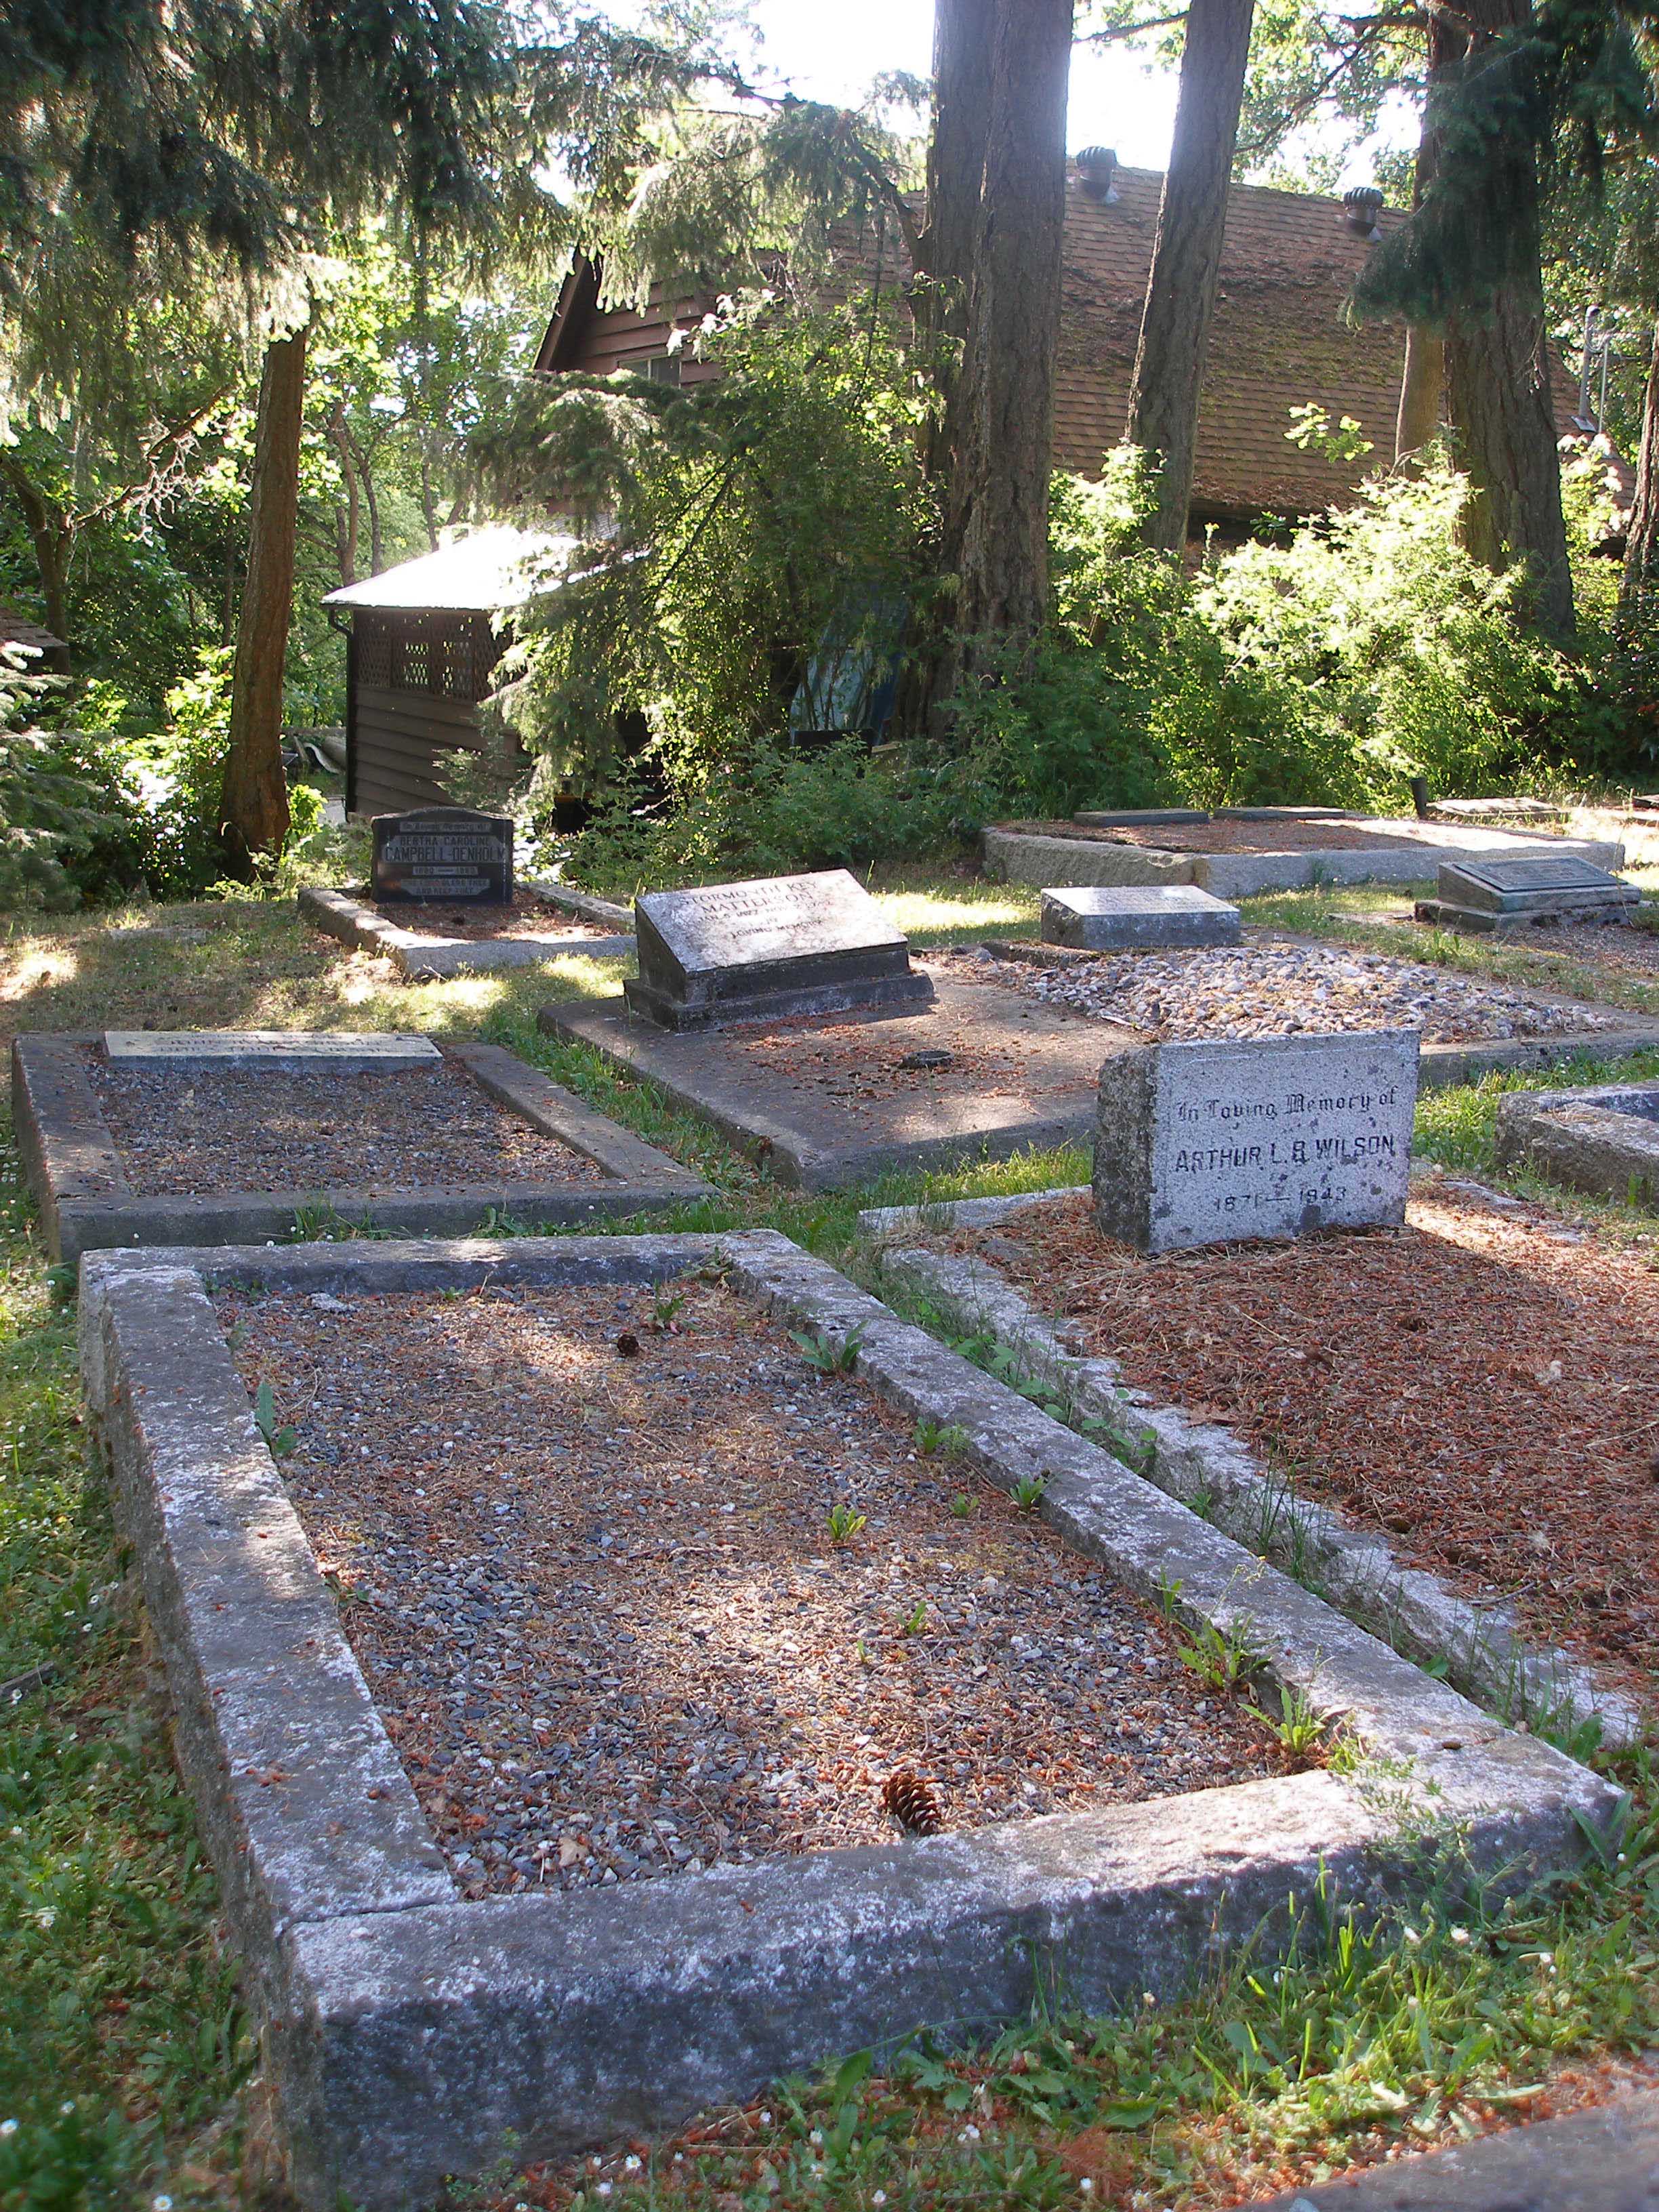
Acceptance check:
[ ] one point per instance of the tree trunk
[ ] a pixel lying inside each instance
(51, 535)
(964, 35)
(1497, 376)
(1422, 388)
(1181, 287)
(1638, 592)
(1000, 493)
(346, 514)
(255, 805)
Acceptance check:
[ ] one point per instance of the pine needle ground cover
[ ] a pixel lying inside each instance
(117, 2004)
(1478, 1386)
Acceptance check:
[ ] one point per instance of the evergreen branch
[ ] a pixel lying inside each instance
(1129, 30)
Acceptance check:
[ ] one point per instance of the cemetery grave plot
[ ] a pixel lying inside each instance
(983, 1071)
(1238, 852)
(600, 1604)
(183, 1138)
(1268, 989)
(412, 2032)
(1479, 1385)
(435, 939)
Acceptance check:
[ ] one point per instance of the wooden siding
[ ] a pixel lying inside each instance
(394, 744)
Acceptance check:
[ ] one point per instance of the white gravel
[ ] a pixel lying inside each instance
(1274, 990)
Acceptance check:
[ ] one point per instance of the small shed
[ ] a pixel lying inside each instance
(421, 655)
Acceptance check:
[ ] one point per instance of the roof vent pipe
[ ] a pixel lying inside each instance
(1096, 167)
(1360, 209)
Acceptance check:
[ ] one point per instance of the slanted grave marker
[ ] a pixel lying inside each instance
(763, 950)
(1202, 1143)
(1499, 895)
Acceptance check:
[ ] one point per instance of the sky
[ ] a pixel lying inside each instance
(832, 52)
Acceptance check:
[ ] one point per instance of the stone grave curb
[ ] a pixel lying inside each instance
(1020, 856)
(1603, 2159)
(412, 2034)
(419, 956)
(1410, 1610)
(64, 1143)
(1576, 1138)
(727, 1101)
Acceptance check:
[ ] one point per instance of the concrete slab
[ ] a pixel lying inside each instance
(412, 2035)
(1605, 2159)
(1015, 1075)
(300, 1051)
(74, 1169)
(1604, 1138)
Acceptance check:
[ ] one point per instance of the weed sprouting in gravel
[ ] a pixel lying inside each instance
(948, 1439)
(279, 1440)
(962, 1506)
(1029, 1492)
(1223, 1658)
(824, 1354)
(1296, 1729)
(844, 1524)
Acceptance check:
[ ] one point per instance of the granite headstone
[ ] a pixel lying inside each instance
(446, 854)
(756, 951)
(1136, 917)
(1497, 895)
(1206, 1142)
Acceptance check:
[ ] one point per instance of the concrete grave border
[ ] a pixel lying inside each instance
(1202, 1461)
(412, 2034)
(74, 1169)
(803, 1144)
(759, 1114)
(1018, 856)
(419, 956)
(1604, 1138)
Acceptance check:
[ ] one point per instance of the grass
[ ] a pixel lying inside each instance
(125, 2060)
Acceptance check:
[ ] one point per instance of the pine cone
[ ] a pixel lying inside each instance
(629, 1345)
(913, 1803)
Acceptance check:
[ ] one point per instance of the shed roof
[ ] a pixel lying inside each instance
(1280, 339)
(18, 629)
(490, 570)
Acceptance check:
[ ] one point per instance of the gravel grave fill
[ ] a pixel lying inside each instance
(582, 1543)
(1276, 990)
(1483, 1384)
(191, 1131)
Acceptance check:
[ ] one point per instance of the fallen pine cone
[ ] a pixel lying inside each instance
(913, 1803)
(629, 1345)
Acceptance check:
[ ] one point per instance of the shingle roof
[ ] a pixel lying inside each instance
(18, 629)
(1279, 340)
(480, 574)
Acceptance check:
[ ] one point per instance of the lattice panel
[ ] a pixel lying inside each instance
(445, 656)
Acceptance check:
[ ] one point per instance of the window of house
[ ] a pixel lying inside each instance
(663, 369)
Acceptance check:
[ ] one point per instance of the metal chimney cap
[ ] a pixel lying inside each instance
(1096, 166)
(1361, 205)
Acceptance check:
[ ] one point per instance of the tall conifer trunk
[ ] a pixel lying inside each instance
(1497, 370)
(999, 509)
(255, 803)
(1639, 594)
(1181, 287)
(964, 34)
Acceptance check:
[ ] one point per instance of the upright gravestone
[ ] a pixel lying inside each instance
(756, 951)
(1499, 895)
(446, 854)
(1202, 1143)
(1138, 917)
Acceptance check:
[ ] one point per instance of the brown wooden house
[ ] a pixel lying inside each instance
(421, 654)
(1280, 339)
